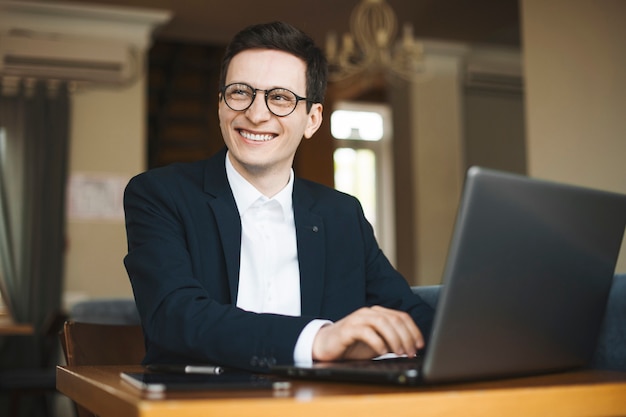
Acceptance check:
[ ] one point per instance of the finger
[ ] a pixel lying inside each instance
(348, 339)
(368, 331)
(379, 328)
(412, 337)
(360, 350)
(398, 330)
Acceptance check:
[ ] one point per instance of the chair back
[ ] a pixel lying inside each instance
(106, 311)
(102, 344)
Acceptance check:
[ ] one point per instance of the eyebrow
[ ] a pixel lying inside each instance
(263, 89)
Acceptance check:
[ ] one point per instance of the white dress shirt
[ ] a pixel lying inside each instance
(269, 273)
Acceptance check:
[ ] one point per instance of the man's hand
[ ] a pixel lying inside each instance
(367, 333)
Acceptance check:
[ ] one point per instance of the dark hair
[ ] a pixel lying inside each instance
(282, 37)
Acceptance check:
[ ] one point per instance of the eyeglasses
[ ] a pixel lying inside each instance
(280, 101)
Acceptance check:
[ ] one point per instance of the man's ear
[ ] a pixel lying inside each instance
(314, 120)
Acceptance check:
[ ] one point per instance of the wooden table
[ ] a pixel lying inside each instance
(581, 393)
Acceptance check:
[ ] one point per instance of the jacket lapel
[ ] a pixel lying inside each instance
(310, 236)
(226, 216)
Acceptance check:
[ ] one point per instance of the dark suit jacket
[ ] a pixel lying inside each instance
(184, 235)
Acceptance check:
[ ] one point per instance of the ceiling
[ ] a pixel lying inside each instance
(215, 21)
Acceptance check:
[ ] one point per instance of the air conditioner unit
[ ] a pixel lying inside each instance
(494, 78)
(494, 69)
(49, 56)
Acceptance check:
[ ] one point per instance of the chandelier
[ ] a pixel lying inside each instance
(371, 45)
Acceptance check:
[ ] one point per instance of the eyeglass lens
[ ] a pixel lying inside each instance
(279, 101)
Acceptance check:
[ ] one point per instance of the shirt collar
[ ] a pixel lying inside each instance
(246, 194)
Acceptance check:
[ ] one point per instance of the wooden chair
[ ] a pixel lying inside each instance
(39, 380)
(101, 344)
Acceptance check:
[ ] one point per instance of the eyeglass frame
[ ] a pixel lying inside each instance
(265, 94)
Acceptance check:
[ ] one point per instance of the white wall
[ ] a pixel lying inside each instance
(437, 155)
(575, 71)
(107, 138)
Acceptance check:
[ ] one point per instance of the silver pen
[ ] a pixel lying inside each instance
(186, 369)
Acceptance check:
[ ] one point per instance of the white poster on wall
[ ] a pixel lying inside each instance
(96, 196)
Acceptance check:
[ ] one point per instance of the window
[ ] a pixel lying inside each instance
(362, 160)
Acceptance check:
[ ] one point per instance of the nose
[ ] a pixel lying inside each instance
(258, 111)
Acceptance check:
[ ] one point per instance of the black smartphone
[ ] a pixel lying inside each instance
(157, 384)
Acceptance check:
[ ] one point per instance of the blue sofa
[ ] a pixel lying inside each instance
(611, 348)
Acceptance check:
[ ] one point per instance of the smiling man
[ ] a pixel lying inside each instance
(235, 261)
(262, 135)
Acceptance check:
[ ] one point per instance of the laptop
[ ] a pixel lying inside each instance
(525, 285)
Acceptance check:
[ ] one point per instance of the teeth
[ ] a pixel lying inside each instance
(261, 138)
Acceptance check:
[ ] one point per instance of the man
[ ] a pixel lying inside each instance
(234, 261)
